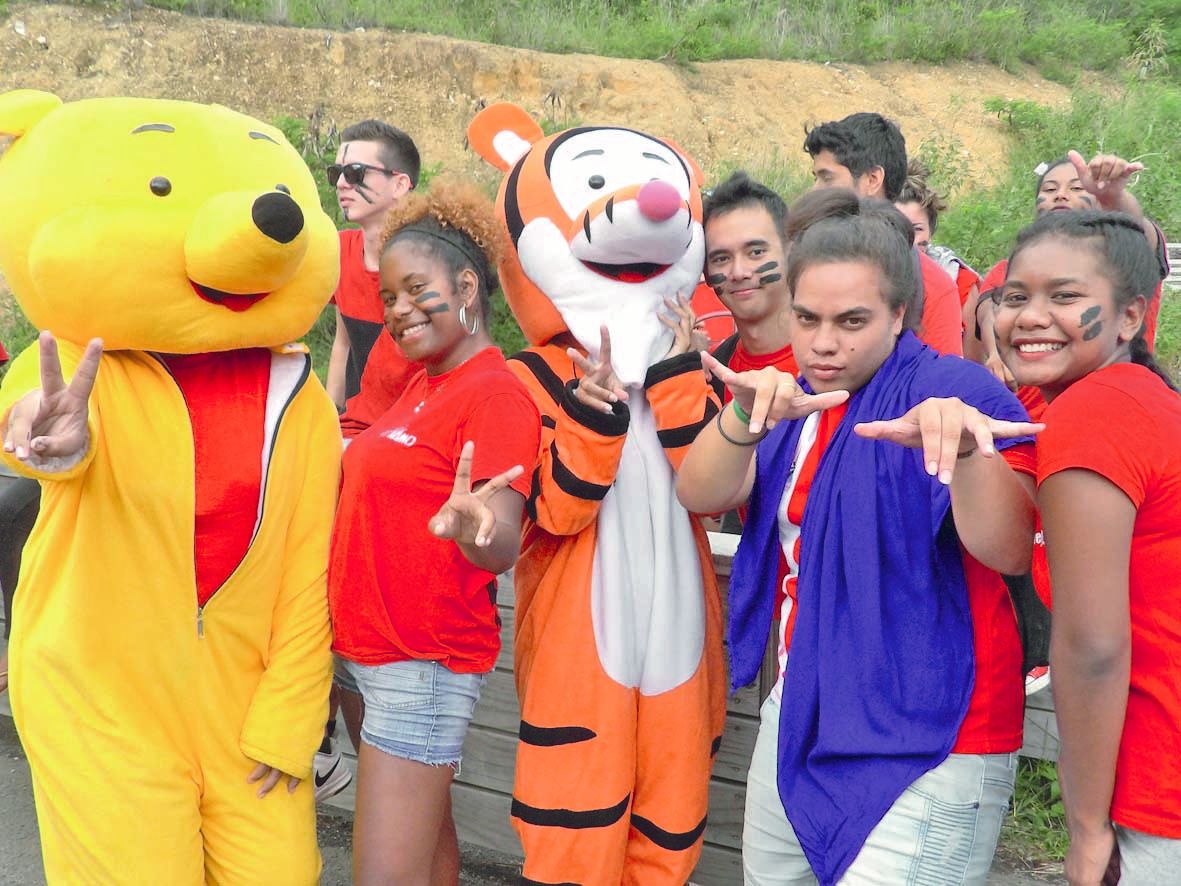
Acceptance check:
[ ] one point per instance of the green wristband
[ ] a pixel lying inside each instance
(740, 412)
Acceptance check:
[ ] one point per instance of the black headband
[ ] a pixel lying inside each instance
(452, 237)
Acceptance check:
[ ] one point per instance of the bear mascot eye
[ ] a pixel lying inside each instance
(160, 186)
(596, 181)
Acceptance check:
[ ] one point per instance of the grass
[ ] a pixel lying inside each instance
(1034, 833)
(1061, 37)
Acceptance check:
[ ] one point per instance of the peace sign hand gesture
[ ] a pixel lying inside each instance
(769, 396)
(50, 422)
(599, 387)
(466, 517)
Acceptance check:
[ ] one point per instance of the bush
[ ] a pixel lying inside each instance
(1061, 38)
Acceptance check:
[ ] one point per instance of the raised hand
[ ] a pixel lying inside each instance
(946, 429)
(466, 516)
(687, 335)
(769, 396)
(1105, 176)
(599, 387)
(51, 422)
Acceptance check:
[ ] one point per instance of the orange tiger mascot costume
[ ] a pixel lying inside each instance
(618, 635)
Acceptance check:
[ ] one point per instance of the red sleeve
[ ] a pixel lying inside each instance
(386, 375)
(1022, 458)
(1087, 427)
(3, 354)
(995, 276)
(941, 328)
(965, 279)
(506, 429)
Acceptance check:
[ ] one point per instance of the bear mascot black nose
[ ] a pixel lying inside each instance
(278, 216)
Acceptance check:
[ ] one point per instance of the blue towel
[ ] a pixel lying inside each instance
(881, 664)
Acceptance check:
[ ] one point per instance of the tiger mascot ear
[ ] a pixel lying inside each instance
(698, 176)
(502, 133)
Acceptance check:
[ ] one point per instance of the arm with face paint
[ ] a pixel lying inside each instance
(581, 443)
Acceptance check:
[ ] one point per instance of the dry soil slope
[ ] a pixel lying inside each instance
(723, 113)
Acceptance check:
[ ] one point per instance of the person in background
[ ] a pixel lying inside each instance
(1070, 321)
(867, 153)
(376, 166)
(921, 204)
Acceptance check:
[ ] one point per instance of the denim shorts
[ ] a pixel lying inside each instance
(416, 710)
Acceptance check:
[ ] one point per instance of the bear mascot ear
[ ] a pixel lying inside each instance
(22, 109)
(501, 133)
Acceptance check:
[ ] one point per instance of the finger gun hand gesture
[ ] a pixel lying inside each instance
(466, 517)
(946, 429)
(769, 396)
(50, 422)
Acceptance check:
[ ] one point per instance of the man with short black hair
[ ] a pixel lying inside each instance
(866, 153)
(745, 239)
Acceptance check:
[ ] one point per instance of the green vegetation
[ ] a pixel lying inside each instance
(1035, 831)
(1062, 38)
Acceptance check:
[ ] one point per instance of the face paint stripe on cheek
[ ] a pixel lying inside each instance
(1093, 331)
(762, 269)
(425, 297)
(1088, 315)
(715, 279)
(436, 309)
(769, 279)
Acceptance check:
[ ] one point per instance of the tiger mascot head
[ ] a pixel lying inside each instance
(604, 223)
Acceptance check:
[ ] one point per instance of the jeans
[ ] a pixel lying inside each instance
(942, 830)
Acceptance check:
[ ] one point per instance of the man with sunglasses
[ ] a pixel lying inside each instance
(376, 165)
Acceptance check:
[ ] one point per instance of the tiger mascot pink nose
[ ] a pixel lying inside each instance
(659, 201)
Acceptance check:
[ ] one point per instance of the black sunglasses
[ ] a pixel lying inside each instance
(354, 173)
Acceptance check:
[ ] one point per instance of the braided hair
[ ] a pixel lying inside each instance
(1125, 259)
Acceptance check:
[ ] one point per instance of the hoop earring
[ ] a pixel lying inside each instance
(475, 327)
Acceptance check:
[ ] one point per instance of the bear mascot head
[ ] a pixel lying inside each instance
(159, 225)
(604, 223)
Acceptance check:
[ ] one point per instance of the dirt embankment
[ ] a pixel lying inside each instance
(723, 113)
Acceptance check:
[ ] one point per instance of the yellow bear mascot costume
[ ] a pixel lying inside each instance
(171, 634)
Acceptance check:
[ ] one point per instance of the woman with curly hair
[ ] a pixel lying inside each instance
(430, 512)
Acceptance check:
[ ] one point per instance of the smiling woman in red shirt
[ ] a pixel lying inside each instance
(430, 512)
(1070, 321)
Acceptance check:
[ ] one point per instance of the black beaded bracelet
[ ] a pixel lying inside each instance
(730, 439)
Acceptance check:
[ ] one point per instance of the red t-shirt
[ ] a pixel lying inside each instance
(742, 361)
(993, 722)
(397, 592)
(387, 373)
(942, 325)
(1088, 428)
(226, 396)
(358, 298)
(3, 354)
